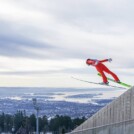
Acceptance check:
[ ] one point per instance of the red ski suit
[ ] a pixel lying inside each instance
(101, 68)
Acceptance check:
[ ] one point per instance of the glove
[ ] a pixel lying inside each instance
(109, 59)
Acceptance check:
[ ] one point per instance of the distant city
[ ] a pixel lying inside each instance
(56, 101)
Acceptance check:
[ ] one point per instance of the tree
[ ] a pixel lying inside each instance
(78, 121)
(60, 122)
(18, 118)
(32, 120)
(2, 118)
(43, 124)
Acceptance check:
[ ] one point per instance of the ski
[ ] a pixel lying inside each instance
(97, 83)
(120, 83)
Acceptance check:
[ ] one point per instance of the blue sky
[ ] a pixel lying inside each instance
(45, 42)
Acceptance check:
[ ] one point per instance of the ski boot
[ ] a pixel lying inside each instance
(104, 83)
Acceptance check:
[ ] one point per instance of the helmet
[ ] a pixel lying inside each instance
(87, 61)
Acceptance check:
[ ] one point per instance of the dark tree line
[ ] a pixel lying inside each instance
(20, 122)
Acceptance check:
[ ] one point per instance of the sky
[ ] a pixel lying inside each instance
(46, 42)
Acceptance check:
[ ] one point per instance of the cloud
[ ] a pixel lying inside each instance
(16, 46)
(80, 29)
(45, 37)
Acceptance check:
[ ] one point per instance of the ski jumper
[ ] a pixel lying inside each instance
(101, 68)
